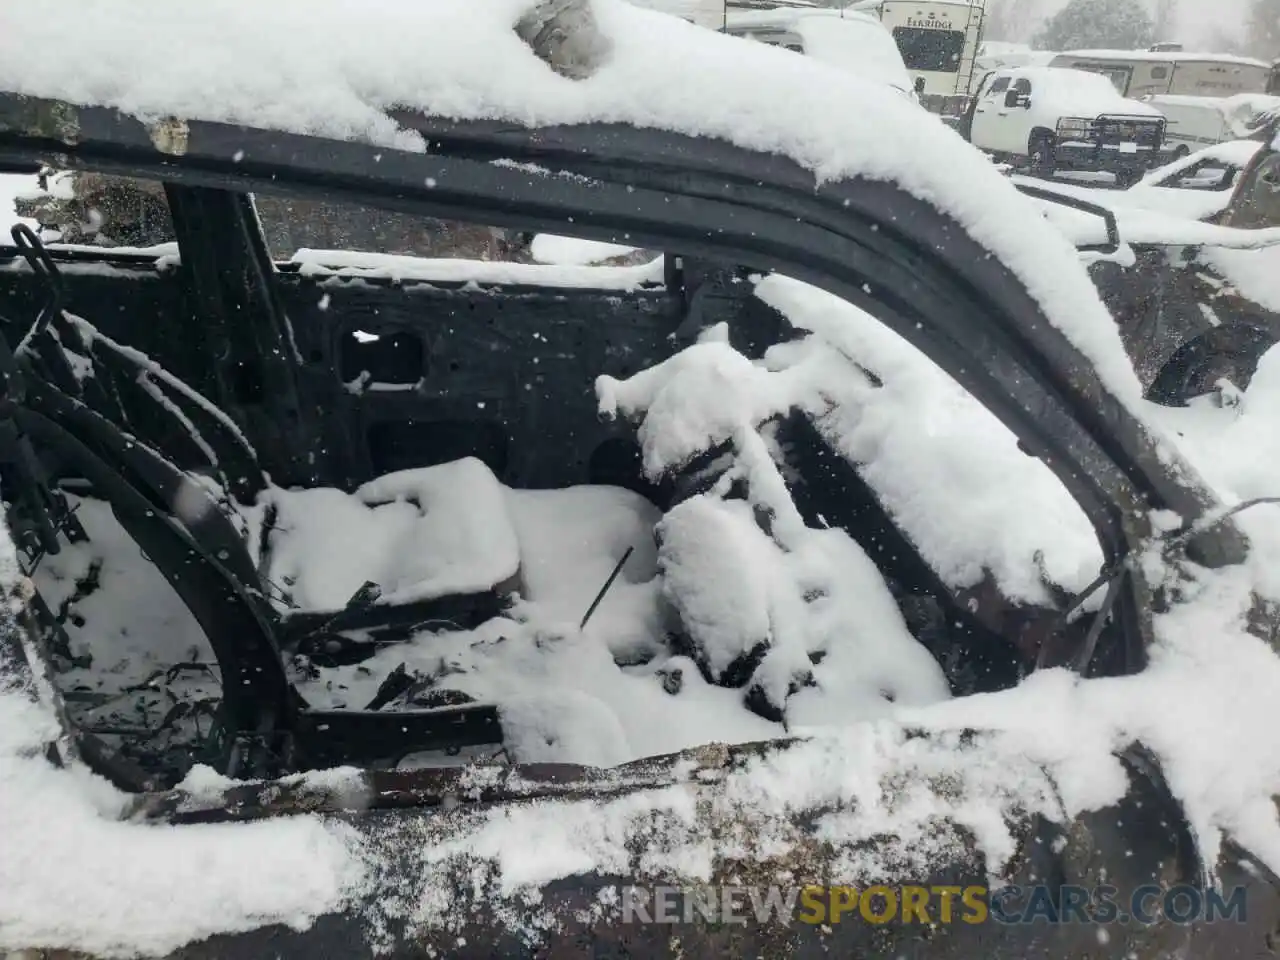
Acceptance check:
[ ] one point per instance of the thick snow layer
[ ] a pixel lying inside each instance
(167, 885)
(1252, 273)
(572, 252)
(419, 534)
(309, 66)
(14, 187)
(397, 267)
(1002, 513)
(1059, 92)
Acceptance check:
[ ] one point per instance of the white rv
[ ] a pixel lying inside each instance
(854, 42)
(938, 40)
(1142, 73)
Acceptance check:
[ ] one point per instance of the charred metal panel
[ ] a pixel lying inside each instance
(1172, 310)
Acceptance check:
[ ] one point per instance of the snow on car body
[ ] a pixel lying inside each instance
(1054, 119)
(893, 216)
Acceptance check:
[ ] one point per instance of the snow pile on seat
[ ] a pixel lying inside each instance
(570, 541)
(418, 534)
(946, 469)
(313, 66)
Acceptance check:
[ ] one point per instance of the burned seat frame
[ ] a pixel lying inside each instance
(265, 725)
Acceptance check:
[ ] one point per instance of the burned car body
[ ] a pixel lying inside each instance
(1192, 305)
(257, 362)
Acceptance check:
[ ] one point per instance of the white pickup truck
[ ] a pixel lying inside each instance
(1049, 118)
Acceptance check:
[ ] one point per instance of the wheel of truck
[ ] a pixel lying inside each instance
(1200, 365)
(1182, 152)
(1041, 150)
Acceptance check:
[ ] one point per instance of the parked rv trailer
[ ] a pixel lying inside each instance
(1142, 73)
(939, 41)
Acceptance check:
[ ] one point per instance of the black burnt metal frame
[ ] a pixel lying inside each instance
(869, 242)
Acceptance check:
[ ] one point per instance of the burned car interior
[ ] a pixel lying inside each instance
(177, 389)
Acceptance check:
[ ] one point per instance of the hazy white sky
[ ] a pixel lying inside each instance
(1200, 18)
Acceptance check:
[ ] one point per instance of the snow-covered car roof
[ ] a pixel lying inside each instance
(1077, 91)
(855, 42)
(309, 67)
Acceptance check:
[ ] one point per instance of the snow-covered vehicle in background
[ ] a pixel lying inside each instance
(342, 622)
(937, 41)
(1199, 186)
(1192, 123)
(1051, 119)
(1143, 73)
(854, 42)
